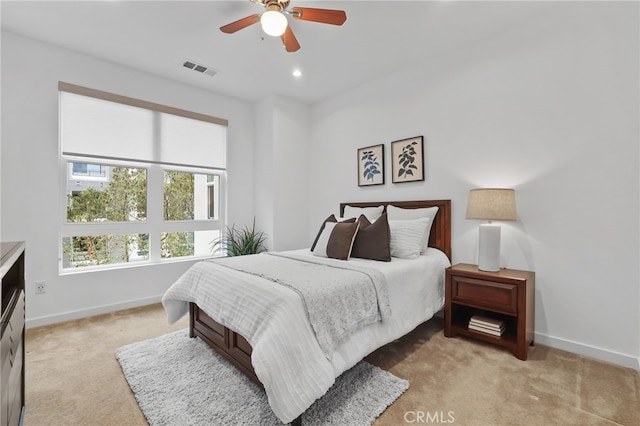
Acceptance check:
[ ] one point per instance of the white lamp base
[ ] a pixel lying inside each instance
(489, 248)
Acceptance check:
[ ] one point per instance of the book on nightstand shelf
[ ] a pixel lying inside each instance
(496, 333)
(488, 325)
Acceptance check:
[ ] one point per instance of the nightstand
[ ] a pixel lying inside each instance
(506, 295)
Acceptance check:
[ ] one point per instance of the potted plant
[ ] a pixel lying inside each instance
(240, 242)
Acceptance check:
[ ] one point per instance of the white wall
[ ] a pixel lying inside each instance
(264, 179)
(281, 173)
(548, 107)
(291, 162)
(30, 193)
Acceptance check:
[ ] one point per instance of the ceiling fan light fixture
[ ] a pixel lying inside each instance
(274, 23)
(274, 20)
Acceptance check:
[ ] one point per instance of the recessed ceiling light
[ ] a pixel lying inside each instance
(297, 73)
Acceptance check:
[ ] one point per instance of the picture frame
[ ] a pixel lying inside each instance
(407, 160)
(371, 165)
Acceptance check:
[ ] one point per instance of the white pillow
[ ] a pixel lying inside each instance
(371, 213)
(407, 237)
(398, 213)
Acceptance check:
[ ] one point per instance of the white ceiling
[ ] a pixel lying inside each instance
(156, 36)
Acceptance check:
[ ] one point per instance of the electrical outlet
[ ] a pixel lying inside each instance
(41, 287)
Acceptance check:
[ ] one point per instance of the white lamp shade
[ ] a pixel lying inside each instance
(492, 204)
(273, 23)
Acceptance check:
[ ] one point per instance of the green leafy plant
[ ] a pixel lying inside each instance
(239, 242)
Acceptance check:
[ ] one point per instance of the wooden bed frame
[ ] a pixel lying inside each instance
(235, 349)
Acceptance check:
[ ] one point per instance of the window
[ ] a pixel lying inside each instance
(189, 196)
(120, 198)
(143, 183)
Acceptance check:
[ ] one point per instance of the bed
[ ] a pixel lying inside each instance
(284, 357)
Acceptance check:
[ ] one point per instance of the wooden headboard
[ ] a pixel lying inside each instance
(440, 236)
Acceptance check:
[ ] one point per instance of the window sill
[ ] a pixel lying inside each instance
(140, 264)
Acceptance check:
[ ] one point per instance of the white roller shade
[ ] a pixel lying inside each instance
(101, 128)
(187, 141)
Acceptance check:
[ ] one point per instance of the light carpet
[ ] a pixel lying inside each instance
(178, 380)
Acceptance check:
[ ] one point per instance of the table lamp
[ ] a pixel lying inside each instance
(490, 204)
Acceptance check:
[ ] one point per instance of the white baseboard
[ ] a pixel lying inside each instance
(600, 354)
(83, 313)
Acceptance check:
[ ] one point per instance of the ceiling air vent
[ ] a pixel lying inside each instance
(203, 69)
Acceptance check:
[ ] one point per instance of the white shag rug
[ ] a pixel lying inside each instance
(178, 380)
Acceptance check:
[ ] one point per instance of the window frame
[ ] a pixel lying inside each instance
(154, 225)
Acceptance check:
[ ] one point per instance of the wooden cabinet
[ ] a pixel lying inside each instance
(506, 295)
(12, 335)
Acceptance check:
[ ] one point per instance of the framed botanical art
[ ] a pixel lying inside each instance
(371, 165)
(407, 160)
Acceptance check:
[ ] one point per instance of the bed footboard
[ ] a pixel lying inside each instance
(229, 344)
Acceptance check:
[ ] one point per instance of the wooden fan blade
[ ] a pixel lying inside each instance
(325, 16)
(240, 24)
(289, 40)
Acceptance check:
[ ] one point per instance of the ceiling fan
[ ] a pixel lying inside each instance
(274, 21)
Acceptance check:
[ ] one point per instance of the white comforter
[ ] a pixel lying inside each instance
(286, 356)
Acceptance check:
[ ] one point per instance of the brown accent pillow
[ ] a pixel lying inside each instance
(373, 239)
(336, 240)
(331, 218)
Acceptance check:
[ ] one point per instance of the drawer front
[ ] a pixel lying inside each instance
(485, 294)
(13, 392)
(6, 345)
(16, 324)
(17, 317)
(6, 364)
(15, 375)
